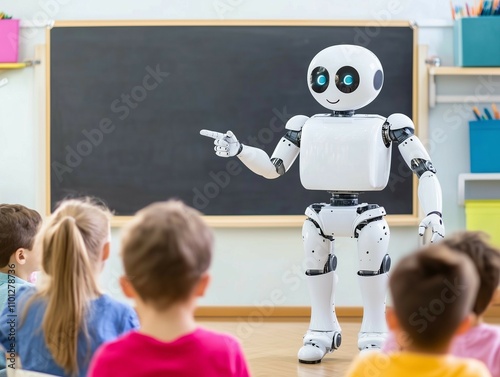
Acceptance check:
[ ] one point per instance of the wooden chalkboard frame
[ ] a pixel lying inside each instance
(238, 221)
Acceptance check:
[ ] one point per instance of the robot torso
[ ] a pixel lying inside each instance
(344, 153)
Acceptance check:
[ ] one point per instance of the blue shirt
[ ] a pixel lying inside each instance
(14, 286)
(8, 289)
(106, 319)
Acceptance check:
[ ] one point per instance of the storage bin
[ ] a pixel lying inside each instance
(9, 41)
(475, 41)
(484, 215)
(484, 141)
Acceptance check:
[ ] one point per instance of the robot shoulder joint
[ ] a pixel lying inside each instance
(400, 121)
(400, 127)
(296, 122)
(294, 127)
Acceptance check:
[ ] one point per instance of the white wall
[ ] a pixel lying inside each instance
(251, 265)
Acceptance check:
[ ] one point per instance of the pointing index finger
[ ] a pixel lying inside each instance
(212, 134)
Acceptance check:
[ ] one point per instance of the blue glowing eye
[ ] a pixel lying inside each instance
(348, 80)
(321, 80)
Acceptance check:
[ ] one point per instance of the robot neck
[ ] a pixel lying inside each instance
(347, 113)
(342, 199)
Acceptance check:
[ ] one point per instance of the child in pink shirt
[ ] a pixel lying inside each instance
(481, 341)
(166, 251)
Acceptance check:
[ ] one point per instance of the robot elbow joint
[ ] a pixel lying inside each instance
(419, 166)
(278, 164)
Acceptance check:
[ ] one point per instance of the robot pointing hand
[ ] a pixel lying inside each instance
(344, 153)
(226, 145)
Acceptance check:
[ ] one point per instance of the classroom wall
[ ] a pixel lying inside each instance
(252, 266)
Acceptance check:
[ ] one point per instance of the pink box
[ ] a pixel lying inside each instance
(9, 41)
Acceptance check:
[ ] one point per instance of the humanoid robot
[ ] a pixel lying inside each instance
(345, 154)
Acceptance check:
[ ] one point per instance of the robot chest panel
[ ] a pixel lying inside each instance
(344, 154)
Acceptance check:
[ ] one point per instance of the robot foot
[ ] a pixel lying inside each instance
(317, 344)
(368, 340)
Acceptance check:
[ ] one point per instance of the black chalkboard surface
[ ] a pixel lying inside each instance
(127, 104)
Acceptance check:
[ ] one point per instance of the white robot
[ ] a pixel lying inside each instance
(345, 154)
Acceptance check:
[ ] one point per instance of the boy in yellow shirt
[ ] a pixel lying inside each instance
(433, 291)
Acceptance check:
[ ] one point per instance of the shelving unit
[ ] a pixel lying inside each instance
(20, 65)
(463, 178)
(12, 66)
(459, 71)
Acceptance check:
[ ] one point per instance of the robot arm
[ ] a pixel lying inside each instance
(401, 130)
(257, 160)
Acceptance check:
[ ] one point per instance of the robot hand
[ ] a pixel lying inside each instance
(434, 221)
(226, 145)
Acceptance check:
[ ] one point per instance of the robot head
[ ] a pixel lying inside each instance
(345, 77)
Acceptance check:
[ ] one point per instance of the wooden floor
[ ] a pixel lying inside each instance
(271, 347)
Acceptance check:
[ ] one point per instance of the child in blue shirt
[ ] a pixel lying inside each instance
(18, 227)
(60, 325)
(18, 260)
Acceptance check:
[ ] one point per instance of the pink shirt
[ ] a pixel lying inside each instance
(200, 353)
(481, 342)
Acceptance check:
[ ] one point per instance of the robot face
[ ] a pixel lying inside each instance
(345, 77)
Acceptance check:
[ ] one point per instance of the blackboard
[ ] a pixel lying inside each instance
(127, 103)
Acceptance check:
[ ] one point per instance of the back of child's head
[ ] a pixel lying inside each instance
(166, 249)
(71, 241)
(18, 227)
(73, 237)
(433, 291)
(486, 259)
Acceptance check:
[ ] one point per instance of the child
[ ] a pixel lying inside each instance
(18, 227)
(62, 324)
(433, 291)
(482, 341)
(166, 252)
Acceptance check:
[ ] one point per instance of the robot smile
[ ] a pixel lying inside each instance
(333, 103)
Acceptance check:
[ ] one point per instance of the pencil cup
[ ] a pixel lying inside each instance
(476, 41)
(9, 41)
(484, 137)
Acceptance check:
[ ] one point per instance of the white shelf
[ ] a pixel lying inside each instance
(19, 65)
(462, 178)
(463, 71)
(15, 66)
(459, 71)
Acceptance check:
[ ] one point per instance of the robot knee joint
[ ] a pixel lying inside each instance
(330, 265)
(385, 266)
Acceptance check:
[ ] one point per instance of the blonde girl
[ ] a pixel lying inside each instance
(63, 322)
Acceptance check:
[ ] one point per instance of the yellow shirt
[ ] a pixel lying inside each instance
(408, 364)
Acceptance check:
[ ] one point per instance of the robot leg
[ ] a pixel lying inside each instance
(323, 335)
(374, 263)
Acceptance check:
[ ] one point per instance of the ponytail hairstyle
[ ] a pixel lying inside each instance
(71, 241)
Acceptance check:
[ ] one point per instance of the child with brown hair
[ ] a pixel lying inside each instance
(62, 324)
(18, 260)
(481, 341)
(166, 251)
(433, 291)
